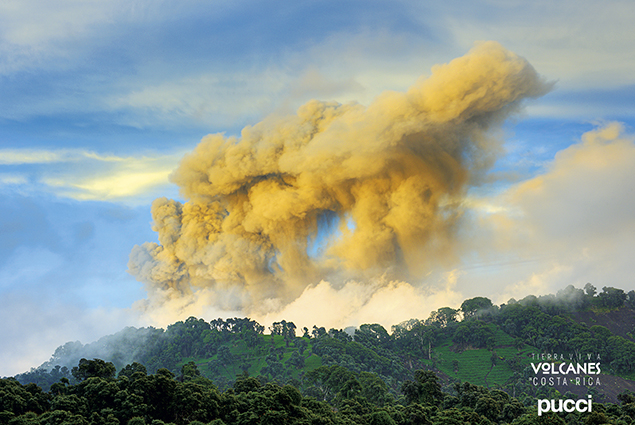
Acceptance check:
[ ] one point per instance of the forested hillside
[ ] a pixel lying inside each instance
(457, 365)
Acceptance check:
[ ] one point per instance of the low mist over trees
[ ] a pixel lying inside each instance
(470, 364)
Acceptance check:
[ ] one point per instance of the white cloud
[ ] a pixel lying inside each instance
(587, 191)
(328, 304)
(355, 303)
(571, 224)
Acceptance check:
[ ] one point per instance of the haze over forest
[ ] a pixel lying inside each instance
(481, 363)
(326, 164)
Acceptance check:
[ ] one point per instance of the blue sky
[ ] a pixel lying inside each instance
(99, 101)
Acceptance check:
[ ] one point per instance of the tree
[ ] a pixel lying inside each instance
(246, 384)
(571, 299)
(289, 333)
(160, 395)
(471, 307)
(488, 407)
(296, 360)
(284, 328)
(381, 417)
(318, 332)
(626, 397)
(373, 388)
(349, 390)
(301, 344)
(630, 299)
(476, 334)
(612, 297)
(19, 399)
(443, 316)
(189, 371)
(372, 336)
(130, 370)
(425, 389)
(423, 337)
(327, 381)
(95, 368)
(226, 357)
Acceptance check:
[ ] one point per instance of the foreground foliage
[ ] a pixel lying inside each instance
(137, 398)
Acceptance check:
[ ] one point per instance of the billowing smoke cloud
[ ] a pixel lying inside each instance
(334, 192)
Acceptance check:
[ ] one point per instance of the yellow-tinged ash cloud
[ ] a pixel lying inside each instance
(394, 173)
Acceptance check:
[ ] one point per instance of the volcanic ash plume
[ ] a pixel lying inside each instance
(336, 190)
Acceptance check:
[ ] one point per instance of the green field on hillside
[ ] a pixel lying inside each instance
(475, 364)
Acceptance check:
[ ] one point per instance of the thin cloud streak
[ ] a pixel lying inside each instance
(87, 175)
(43, 156)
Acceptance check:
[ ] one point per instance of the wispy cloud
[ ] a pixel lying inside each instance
(187, 65)
(213, 99)
(30, 156)
(12, 179)
(43, 156)
(579, 42)
(87, 175)
(112, 185)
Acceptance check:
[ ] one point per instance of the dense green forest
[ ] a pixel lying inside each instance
(474, 364)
